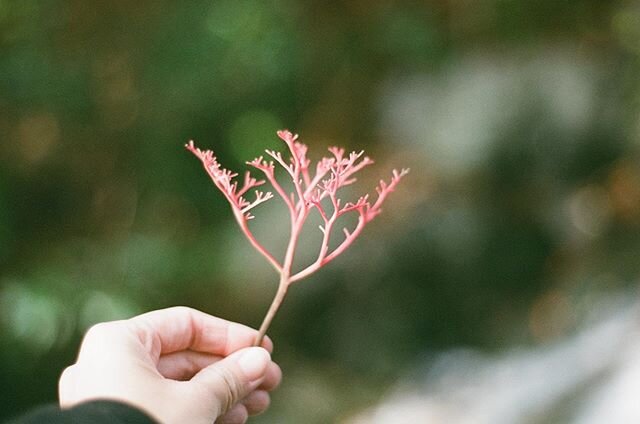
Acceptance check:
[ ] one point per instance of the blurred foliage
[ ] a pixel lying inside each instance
(520, 121)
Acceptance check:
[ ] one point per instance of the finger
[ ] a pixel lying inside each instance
(237, 415)
(66, 386)
(180, 328)
(112, 337)
(184, 365)
(257, 402)
(234, 377)
(272, 378)
(267, 343)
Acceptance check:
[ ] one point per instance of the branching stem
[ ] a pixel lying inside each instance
(309, 191)
(285, 273)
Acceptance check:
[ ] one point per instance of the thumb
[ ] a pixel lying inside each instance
(233, 378)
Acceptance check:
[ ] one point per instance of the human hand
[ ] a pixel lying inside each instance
(178, 365)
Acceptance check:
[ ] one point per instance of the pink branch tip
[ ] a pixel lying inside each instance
(331, 174)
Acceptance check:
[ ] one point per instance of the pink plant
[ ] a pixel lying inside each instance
(310, 191)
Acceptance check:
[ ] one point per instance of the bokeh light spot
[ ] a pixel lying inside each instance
(589, 210)
(37, 135)
(101, 307)
(30, 317)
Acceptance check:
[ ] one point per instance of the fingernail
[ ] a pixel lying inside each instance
(253, 362)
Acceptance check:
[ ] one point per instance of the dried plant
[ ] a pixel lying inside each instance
(310, 191)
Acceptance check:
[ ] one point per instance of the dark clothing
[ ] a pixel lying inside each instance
(96, 412)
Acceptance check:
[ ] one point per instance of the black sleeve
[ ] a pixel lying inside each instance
(96, 412)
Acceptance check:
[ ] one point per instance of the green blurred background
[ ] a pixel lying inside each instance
(519, 119)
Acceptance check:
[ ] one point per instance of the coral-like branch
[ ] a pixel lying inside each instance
(331, 174)
(223, 179)
(268, 170)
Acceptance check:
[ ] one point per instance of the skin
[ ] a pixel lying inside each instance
(178, 365)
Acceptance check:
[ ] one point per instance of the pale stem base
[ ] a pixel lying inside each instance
(275, 305)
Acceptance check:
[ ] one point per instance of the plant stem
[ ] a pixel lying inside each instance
(285, 273)
(275, 305)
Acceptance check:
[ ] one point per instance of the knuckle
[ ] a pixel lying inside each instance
(104, 330)
(98, 336)
(66, 385)
(181, 310)
(68, 372)
(97, 330)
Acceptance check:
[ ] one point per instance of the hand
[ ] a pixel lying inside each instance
(178, 365)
